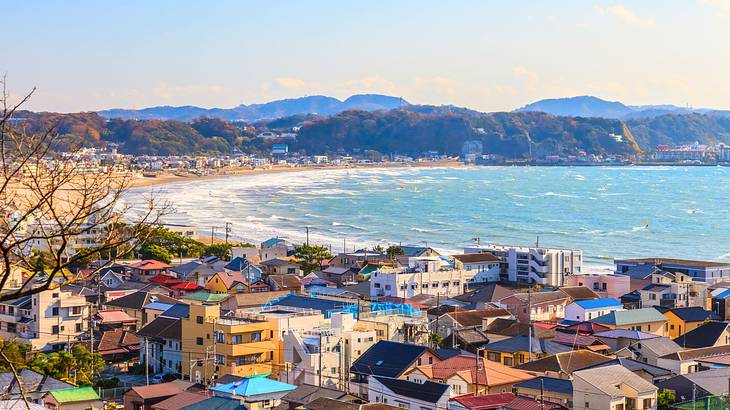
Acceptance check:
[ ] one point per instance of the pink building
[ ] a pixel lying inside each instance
(606, 285)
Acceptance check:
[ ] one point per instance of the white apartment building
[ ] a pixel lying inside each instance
(322, 356)
(48, 320)
(423, 275)
(544, 266)
(92, 235)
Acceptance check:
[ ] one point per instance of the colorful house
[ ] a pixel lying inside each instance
(255, 392)
(77, 398)
(647, 320)
(683, 320)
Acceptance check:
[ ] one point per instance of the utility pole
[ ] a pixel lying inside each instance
(307, 236)
(542, 393)
(529, 320)
(228, 231)
(320, 359)
(476, 373)
(212, 234)
(146, 361)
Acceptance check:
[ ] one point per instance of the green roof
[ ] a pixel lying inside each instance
(74, 394)
(628, 317)
(203, 296)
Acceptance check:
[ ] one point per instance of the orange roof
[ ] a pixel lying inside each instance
(114, 316)
(186, 286)
(157, 390)
(489, 373)
(150, 264)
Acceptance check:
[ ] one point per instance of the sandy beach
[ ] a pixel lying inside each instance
(163, 178)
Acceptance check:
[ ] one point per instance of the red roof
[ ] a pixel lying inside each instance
(114, 316)
(150, 264)
(165, 279)
(186, 286)
(488, 401)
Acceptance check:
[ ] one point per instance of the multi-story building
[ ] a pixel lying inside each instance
(674, 289)
(544, 266)
(423, 275)
(486, 266)
(47, 320)
(701, 271)
(213, 346)
(90, 235)
(322, 356)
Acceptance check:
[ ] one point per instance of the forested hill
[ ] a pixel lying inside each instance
(412, 130)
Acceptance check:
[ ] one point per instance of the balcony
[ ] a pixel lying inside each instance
(244, 349)
(246, 369)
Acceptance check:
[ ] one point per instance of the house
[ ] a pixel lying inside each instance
(422, 275)
(708, 334)
(583, 310)
(562, 365)
(76, 398)
(647, 320)
(111, 279)
(163, 337)
(700, 384)
(34, 385)
(618, 339)
(288, 283)
(134, 303)
(516, 350)
(463, 319)
(145, 269)
(578, 340)
(682, 320)
(486, 266)
(611, 387)
(250, 272)
(248, 300)
(501, 329)
(673, 289)
(229, 282)
(326, 306)
(388, 359)
(605, 285)
(341, 276)
(279, 266)
(548, 305)
(215, 403)
(646, 371)
(650, 350)
(500, 401)
(479, 297)
(199, 271)
(144, 397)
(254, 392)
(547, 388)
(118, 346)
(307, 393)
(692, 360)
(469, 374)
(579, 293)
(407, 394)
(181, 400)
(418, 251)
(111, 319)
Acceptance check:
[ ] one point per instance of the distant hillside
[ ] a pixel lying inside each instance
(589, 106)
(673, 129)
(506, 134)
(320, 105)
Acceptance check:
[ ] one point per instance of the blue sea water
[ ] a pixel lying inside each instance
(608, 212)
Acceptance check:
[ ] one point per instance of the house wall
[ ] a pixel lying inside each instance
(606, 286)
(378, 393)
(574, 311)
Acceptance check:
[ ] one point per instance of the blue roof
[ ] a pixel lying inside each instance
(253, 386)
(723, 295)
(598, 303)
(550, 384)
(272, 242)
(158, 306)
(178, 310)
(625, 333)
(323, 305)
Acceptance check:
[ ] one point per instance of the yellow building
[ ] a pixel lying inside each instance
(213, 346)
(683, 320)
(230, 282)
(647, 320)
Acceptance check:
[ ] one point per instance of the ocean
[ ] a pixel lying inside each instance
(608, 212)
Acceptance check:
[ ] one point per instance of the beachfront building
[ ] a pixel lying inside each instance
(674, 289)
(486, 267)
(701, 271)
(583, 310)
(544, 266)
(422, 275)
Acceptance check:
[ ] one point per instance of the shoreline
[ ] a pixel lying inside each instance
(165, 178)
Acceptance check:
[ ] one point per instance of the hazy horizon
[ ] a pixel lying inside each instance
(88, 56)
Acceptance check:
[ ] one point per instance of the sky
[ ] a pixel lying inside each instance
(486, 55)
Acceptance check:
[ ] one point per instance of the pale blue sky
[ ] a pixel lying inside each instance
(487, 55)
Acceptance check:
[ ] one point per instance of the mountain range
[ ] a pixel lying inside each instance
(317, 104)
(589, 106)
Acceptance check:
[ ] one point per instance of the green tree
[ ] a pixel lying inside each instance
(436, 339)
(15, 354)
(311, 256)
(83, 263)
(40, 260)
(221, 250)
(378, 248)
(394, 250)
(174, 243)
(155, 252)
(665, 399)
(80, 365)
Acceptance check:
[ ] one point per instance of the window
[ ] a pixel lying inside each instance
(55, 295)
(54, 311)
(445, 285)
(376, 285)
(220, 359)
(76, 310)
(79, 327)
(54, 329)
(256, 337)
(387, 287)
(508, 361)
(333, 370)
(403, 287)
(199, 341)
(588, 405)
(425, 286)
(456, 283)
(199, 320)
(236, 339)
(219, 337)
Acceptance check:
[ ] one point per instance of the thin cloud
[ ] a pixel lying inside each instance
(291, 83)
(722, 5)
(620, 12)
